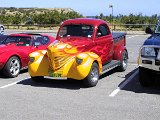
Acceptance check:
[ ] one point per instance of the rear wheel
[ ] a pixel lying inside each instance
(93, 76)
(145, 77)
(124, 61)
(12, 67)
(37, 78)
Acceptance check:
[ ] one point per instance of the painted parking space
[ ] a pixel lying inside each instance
(21, 98)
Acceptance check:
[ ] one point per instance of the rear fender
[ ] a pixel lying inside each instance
(118, 52)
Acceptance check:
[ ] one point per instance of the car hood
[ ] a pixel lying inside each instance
(153, 40)
(76, 41)
(70, 45)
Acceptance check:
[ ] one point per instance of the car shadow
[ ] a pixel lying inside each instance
(134, 85)
(4, 77)
(24, 71)
(108, 73)
(63, 84)
(51, 83)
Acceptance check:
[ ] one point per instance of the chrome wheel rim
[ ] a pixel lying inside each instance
(125, 60)
(94, 74)
(14, 67)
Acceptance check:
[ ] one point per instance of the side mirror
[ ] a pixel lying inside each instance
(149, 30)
(36, 44)
(99, 34)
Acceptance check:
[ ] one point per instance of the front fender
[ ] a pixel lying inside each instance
(71, 69)
(80, 71)
(40, 65)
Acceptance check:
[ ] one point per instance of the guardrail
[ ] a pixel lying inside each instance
(115, 27)
(31, 27)
(132, 27)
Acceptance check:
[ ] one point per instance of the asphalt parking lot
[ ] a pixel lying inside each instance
(117, 96)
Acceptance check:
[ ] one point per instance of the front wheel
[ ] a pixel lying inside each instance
(12, 67)
(123, 62)
(37, 78)
(92, 78)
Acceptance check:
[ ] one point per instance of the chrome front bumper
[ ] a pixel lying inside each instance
(151, 64)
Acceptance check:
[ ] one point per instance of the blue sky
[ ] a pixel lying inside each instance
(92, 7)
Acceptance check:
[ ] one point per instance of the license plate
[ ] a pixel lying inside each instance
(55, 75)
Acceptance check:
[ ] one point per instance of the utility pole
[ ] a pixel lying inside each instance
(111, 6)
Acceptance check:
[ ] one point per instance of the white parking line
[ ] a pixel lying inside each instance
(132, 36)
(115, 92)
(133, 64)
(11, 84)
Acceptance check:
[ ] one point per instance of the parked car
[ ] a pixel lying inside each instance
(1, 28)
(2, 38)
(149, 58)
(84, 48)
(15, 49)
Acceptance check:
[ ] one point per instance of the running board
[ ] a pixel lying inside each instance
(111, 65)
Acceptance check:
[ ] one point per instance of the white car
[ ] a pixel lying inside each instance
(1, 28)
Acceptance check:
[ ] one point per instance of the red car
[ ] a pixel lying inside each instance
(14, 51)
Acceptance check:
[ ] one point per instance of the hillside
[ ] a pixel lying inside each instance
(14, 15)
(13, 10)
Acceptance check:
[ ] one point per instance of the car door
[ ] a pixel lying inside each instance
(24, 47)
(104, 43)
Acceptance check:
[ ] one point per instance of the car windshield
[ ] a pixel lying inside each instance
(80, 30)
(2, 38)
(18, 40)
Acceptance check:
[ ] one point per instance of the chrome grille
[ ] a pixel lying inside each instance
(57, 60)
(60, 61)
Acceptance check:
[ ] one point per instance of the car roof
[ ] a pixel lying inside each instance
(27, 34)
(90, 21)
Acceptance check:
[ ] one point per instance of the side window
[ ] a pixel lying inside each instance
(45, 40)
(158, 29)
(103, 30)
(63, 31)
(40, 41)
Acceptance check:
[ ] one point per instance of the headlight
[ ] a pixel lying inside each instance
(148, 52)
(31, 59)
(79, 61)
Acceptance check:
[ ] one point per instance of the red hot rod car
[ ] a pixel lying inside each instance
(83, 50)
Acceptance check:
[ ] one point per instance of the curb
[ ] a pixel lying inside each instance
(55, 31)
